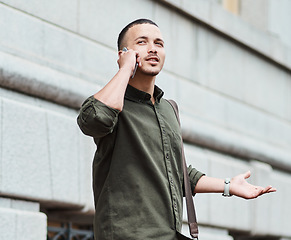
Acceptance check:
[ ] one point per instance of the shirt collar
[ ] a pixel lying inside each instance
(141, 96)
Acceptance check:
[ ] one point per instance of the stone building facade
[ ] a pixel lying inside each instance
(228, 66)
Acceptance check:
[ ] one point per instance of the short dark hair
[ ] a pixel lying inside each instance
(128, 26)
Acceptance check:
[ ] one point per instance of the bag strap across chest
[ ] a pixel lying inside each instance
(192, 221)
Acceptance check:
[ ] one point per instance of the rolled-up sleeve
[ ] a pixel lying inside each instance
(194, 176)
(97, 119)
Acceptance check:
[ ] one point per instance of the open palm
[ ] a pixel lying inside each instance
(241, 188)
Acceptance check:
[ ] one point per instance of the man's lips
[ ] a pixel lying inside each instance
(152, 58)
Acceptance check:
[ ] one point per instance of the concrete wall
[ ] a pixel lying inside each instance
(270, 15)
(21, 220)
(231, 80)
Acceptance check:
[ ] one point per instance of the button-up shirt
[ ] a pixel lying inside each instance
(137, 168)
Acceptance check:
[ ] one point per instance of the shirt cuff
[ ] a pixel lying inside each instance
(194, 176)
(97, 119)
(110, 109)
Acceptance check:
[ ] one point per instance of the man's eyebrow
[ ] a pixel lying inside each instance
(159, 39)
(144, 37)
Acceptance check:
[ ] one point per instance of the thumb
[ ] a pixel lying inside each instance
(138, 60)
(247, 174)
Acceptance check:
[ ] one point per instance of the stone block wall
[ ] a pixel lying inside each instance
(21, 220)
(232, 82)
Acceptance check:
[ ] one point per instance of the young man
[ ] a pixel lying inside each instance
(137, 168)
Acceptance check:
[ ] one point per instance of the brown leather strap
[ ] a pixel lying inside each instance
(192, 221)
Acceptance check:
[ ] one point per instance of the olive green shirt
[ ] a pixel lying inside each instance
(137, 168)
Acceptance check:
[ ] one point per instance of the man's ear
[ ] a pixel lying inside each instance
(120, 51)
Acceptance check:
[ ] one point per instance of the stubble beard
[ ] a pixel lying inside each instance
(150, 72)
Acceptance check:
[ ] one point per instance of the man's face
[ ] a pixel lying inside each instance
(147, 40)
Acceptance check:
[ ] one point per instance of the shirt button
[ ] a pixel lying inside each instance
(167, 156)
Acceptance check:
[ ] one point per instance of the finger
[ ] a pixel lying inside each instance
(271, 189)
(247, 174)
(138, 60)
(268, 189)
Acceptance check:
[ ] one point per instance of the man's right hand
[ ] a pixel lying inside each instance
(128, 59)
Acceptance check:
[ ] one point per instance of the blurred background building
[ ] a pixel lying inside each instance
(228, 66)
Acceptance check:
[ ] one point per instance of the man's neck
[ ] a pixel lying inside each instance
(145, 84)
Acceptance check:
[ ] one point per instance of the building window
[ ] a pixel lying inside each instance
(231, 6)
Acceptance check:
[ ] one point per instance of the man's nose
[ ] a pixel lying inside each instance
(152, 48)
